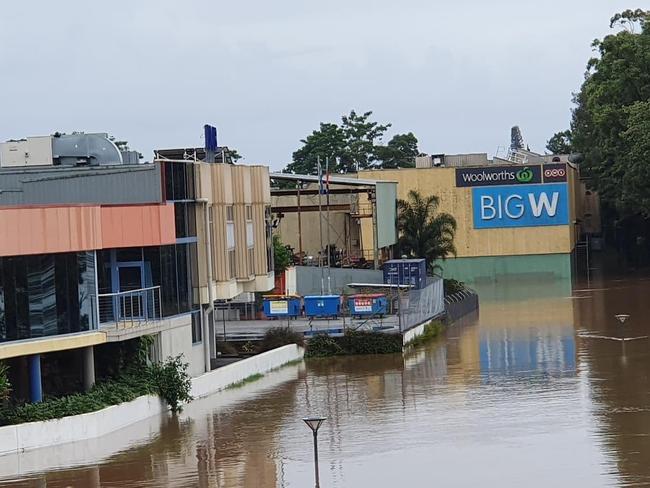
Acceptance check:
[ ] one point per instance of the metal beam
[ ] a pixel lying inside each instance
(332, 191)
(309, 208)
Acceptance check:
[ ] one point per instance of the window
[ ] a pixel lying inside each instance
(268, 217)
(185, 216)
(251, 261)
(249, 212)
(250, 235)
(229, 214)
(211, 233)
(46, 295)
(197, 332)
(232, 263)
(179, 181)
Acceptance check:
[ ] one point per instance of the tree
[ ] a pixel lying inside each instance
(560, 143)
(424, 233)
(281, 255)
(400, 152)
(606, 113)
(353, 145)
(234, 155)
(361, 135)
(328, 141)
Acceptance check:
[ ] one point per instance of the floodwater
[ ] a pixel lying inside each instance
(534, 392)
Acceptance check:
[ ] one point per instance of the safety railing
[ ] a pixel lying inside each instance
(131, 308)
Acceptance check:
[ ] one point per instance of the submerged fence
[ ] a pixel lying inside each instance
(418, 306)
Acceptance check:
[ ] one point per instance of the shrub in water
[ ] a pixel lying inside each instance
(281, 336)
(172, 382)
(322, 345)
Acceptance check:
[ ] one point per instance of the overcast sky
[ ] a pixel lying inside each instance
(457, 73)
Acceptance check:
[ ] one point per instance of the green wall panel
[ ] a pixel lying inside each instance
(487, 269)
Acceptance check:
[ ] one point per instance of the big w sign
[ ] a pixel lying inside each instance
(520, 206)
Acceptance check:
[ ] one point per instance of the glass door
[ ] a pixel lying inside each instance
(130, 278)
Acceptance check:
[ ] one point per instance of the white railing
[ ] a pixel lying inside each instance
(129, 308)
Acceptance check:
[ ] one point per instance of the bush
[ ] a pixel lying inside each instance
(102, 395)
(5, 385)
(281, 336)
(431, 331)
(354, 342)
(452, 286)
(364, 342)
(169, 380)
(172, 382)
(322, 345)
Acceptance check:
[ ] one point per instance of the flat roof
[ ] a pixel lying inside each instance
(339, 180)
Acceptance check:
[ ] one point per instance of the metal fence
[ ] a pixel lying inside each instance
(129, 308)
(418, 306)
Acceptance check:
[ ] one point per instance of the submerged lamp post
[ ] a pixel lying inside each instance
(314, 424)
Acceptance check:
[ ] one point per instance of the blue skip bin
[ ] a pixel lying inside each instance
(367, 305)
(281, 306)
(322, 305)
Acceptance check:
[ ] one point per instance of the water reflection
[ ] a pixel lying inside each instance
(515, 396)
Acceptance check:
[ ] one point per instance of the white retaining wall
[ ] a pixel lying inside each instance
(33, 435)
(413, 332)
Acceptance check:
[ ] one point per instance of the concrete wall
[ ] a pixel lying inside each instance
(308, 279)
(24, 437)
(413, 332)
(225, 376)
(178, 340)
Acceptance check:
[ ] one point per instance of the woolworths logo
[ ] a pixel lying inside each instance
(498, 175)
(524, 175)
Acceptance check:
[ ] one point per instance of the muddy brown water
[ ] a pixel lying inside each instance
(533, 392)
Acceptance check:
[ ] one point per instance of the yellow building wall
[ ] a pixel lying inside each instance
(472, 242)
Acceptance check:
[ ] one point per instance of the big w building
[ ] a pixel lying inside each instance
(514, 220)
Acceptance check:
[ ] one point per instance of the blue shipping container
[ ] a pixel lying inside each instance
(322, 305)
(281, 306)
(406, 272)
(364, 305)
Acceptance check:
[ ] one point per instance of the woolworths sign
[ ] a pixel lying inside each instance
(498, 175)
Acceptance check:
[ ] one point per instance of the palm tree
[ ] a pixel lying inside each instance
(424, 233)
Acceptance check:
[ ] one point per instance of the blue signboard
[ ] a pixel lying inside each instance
(520, 206)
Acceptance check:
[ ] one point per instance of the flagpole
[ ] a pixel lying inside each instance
(329, 242)
(320, 226)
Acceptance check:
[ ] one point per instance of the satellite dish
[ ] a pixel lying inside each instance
(622, 317)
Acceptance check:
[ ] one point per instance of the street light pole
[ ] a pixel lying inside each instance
(314, 424)
(316, 458)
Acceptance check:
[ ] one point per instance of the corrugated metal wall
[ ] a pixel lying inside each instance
(98, 185)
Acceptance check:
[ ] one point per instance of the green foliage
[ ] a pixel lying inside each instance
(172, 382)
(400, 152)
(168, 380)
(423, 233)
(452, 286)
(5, 384)
(281, 336)
(234, 155)
(352, 343)
(431, 331)
(322, 345)
(606, 114)
(103, 395)
(560, 143)
(281, 255)
(354, 144)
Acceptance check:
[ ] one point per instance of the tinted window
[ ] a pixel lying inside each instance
(46, 295)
